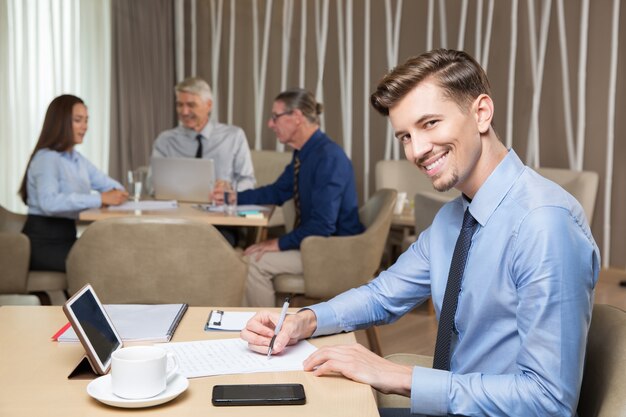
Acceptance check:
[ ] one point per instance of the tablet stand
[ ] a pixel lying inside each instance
(83, 370)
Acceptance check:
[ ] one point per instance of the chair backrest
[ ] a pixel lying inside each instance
(427, 204)
(583, 185)
(14, 253)
(268, 165)
(346, 262)
(140, 260)
(403, 176)
(14, 260)
(11, 222)
(604, 375)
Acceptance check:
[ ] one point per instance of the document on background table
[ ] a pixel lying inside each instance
(228, 320)
(139, 322)
(232, 356)
(146, 205)
(240, 208)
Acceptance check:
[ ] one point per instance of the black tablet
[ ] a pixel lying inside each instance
(93, 327)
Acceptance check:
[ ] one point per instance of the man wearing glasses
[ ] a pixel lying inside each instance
(321, 182)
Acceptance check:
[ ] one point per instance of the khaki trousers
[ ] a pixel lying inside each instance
(259, 286)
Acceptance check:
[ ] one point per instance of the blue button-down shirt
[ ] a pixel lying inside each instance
(524, 307)
(328, 200)
(60, 183)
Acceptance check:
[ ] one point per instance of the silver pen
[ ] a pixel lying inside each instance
(283, 314)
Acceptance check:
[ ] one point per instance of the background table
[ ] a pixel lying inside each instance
(33, 375)
(185, 211)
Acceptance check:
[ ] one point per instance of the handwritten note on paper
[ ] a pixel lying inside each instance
(232, 356)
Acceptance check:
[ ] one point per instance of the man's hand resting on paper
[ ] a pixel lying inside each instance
(352, 361)
(361, 365)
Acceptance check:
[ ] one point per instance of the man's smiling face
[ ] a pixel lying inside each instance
(440, 138)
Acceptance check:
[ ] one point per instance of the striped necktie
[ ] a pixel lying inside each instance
(199, 150)
(451, 296)
(296, 192)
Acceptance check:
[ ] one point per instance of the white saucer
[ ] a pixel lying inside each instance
(100, 389)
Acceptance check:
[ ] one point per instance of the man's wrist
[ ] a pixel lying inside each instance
(308, 322)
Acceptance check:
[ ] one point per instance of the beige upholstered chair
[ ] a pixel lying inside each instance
(583, 185)
(404, 176)
(604, 380)
(268, 165)
(335, 264)
(426, 205)
(160, 260)
(14, 259)
(17, 253)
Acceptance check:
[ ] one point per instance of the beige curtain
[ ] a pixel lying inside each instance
(142, 80)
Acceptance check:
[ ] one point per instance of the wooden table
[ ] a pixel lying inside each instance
(33, 375)
(184, 210)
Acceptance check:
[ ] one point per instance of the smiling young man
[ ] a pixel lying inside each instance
(198, 136)
(511, 265)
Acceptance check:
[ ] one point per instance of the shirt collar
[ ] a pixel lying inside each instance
(205, 132)
(70, 155)
(495, 188)
(313, 142)
(208, 128)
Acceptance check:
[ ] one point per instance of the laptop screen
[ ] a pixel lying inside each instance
(183, 179)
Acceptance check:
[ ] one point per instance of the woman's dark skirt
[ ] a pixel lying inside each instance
(51, 239)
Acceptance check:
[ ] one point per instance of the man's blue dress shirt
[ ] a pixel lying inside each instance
(60, 183)
(328, 199)
(524, 306)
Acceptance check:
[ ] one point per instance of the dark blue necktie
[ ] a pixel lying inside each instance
(296, 191)
(451, 297)
(199, 150)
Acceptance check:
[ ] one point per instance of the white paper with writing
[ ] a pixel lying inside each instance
(232, 356)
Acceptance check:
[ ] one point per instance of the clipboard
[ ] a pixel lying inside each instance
(233, 321)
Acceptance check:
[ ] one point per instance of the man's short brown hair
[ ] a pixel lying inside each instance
(456, 72)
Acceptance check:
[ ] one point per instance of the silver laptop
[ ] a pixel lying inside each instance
(183, 179)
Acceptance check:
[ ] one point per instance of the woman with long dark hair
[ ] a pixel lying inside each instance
(58, 184)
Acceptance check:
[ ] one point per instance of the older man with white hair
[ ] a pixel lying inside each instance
(200, 136)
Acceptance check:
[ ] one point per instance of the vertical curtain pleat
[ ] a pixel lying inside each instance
(142, 82)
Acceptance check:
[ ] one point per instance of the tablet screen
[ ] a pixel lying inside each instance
(89, 320)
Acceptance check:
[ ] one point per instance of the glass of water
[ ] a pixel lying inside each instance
(230, 196)
(136, 180)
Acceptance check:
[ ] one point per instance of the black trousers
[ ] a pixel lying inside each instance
(231, 234)
(51, 239)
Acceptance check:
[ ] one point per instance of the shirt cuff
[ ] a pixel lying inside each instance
(286, 242)
(94, 200)
(429, 391)
(325, 320)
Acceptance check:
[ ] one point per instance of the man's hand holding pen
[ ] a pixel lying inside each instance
(261, 328)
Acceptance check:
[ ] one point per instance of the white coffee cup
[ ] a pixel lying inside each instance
(400, 201)
(141, 371)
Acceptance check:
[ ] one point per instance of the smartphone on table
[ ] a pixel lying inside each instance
(258, 394)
